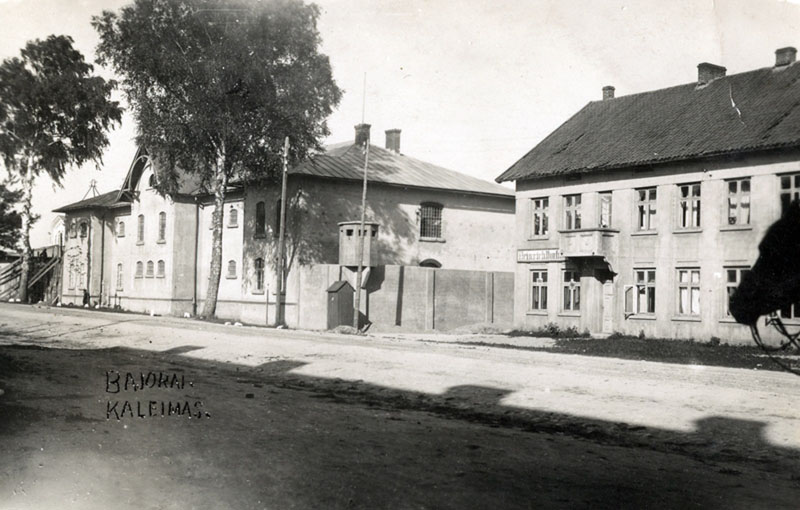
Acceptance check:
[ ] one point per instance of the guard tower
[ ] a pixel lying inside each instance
(348, 243)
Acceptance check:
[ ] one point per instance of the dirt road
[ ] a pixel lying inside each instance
(283, 419)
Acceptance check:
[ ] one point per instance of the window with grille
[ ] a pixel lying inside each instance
(646, 208)
(540, 217)
(121, 229)
(119, 276)
(162, 226)
(149, 273)
(572, 212)
(259, 270)
(139, 270)
(688, 292)
(261, 219)
(646, 291)
(689, 205)
(538, 299)
(231, 269)
(140, 229)
(733, 277)
(160, 269)
(605, 210)
(430, 225)
(790, 190)
(739, 202)
(572, 291)
(233, 217)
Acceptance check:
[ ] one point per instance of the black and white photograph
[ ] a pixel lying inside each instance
(399, 254)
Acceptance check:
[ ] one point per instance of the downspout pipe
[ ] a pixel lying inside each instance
(196, 250)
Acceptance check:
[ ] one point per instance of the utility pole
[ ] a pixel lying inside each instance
(279, 321)
(361, 235)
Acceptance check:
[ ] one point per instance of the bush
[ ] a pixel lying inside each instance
(715, 341)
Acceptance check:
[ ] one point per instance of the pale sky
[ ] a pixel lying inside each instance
(473, 84)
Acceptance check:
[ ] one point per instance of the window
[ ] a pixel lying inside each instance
(139, 270)
(231, 269)
(538, 290)
(539, 217)
(689, 206)
(140, 229)
(433, 263)
(739, 202)
(572, 212)
(162, 226)
(261, 219)
(121, 229)
(152, 181)
(646, 290)
(149, 273)
(71, 276)
(73, 232)
(605, 210)
(688, 292)
(646, 208)
(233, 217)
(733, 277)
(430, 224)
(790, 190)
(259, 267)
(572, 291)
(84, 228)
(119, 276)
(160, 269)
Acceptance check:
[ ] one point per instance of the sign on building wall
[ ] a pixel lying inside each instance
(545, 255)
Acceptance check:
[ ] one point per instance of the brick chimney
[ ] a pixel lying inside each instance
(608, 92)
(708, 72)
(362, 134)
(785, 56)
(393, 140)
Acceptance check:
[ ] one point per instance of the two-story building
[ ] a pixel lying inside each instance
(641, 213)
(142, 251)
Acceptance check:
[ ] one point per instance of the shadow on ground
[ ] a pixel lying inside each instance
(266, 437)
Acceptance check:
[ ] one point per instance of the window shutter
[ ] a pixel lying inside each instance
(631, 303)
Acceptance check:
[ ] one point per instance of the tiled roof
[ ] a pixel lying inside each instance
(346, 161)
(751, 111)
(99, 202)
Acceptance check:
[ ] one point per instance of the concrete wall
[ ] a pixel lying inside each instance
(712, 248)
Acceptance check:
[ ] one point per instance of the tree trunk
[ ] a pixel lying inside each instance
(220, 185)
(25, 238)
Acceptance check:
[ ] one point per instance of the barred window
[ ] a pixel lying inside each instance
(231, 269)
(233, 217)
(790, 190)
(149, 273)
(646, 208)
(161, 269)
(538, 290)
(739, 202)
(139, 270)
(259, 269)
(430, 224)
(121, 229)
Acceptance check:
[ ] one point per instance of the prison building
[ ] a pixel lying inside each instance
(139, 250)
(642, 212)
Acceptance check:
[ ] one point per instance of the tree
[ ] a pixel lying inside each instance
(54, 114)
(216, 86)
(10, 219)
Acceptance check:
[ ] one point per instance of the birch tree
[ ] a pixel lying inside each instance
(54, 114)
(216, 86)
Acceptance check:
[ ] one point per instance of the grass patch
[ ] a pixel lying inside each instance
(551, 330)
